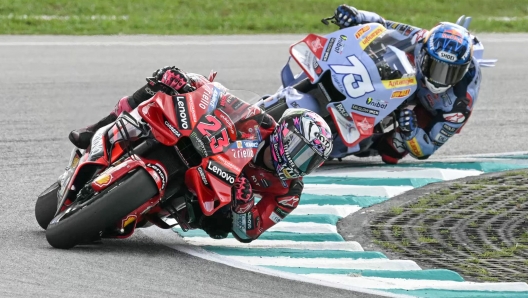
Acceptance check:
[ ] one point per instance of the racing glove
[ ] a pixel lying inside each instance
(408, 124)
(177, 79)
(346, 16)
(158, 74)
(243, 199)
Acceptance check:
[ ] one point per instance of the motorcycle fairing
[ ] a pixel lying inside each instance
(375, 76)
(213, 131)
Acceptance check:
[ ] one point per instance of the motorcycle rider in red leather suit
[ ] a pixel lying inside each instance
(293, 147)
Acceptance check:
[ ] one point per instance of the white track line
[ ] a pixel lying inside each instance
(357, 190)
(171, 240)
(360, 264)
(339, 210)
(412, 284)
(304, 227)
(229, 242)
(432, 173)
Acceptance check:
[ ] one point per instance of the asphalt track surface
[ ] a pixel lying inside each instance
(51, 85)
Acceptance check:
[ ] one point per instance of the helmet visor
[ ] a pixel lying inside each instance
(302, 155)
(441, 73)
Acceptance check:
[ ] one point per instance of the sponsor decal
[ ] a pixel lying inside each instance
(404, 82)
(376, 103)
(181, 111)
(227, 163)
(103, 180)
(220, 172)
(214, 98)
(414, 147)
(226, 99)
(289, 201)
(204, 100)
(369, 38)
(341, 109)
(400, 93)
(328, 48)
(96, 149)
(453, 35)
(242, 153)
(441, 139)
(149, 91)
(227, 121)
(356, 79)
(281, 212)
(192, 109)
(418, 36)
(172, 129)
(338, 84)
(447, 56)
(365, 110)
(316, 44)
(74, 162)
(446, 133)
(241, 222)
(340, 46)
(128, 220)
(243, 209)
(361, 31)
(250, 144)
(318, 70)
(322, 139)
(365, 124)
(455, 117)
(274, 217)
(255, 180)
(449, 128)
(202, 175)
(198, 143)
(286, 172)
(160, 172)
(249, 221)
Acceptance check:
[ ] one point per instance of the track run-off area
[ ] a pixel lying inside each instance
(53, 84)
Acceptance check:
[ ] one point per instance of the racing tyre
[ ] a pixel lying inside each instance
(46, 205)
(87, 220)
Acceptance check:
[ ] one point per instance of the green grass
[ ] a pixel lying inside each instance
(240, 16)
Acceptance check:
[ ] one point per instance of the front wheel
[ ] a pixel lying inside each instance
(46, 205)
(86, 220)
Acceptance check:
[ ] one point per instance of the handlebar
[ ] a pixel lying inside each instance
(172, 91)
(331, 19)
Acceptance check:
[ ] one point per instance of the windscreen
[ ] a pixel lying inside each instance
(391, 64)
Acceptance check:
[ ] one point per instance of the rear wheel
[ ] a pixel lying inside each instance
(46, 205)
(87, 220)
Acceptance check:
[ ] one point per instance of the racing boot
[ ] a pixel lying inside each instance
(81, 137)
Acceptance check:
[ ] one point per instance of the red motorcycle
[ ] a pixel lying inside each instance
(170, 161)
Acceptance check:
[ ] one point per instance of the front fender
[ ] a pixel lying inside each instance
(113, 174)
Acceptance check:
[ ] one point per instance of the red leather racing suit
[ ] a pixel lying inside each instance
(277, 198)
